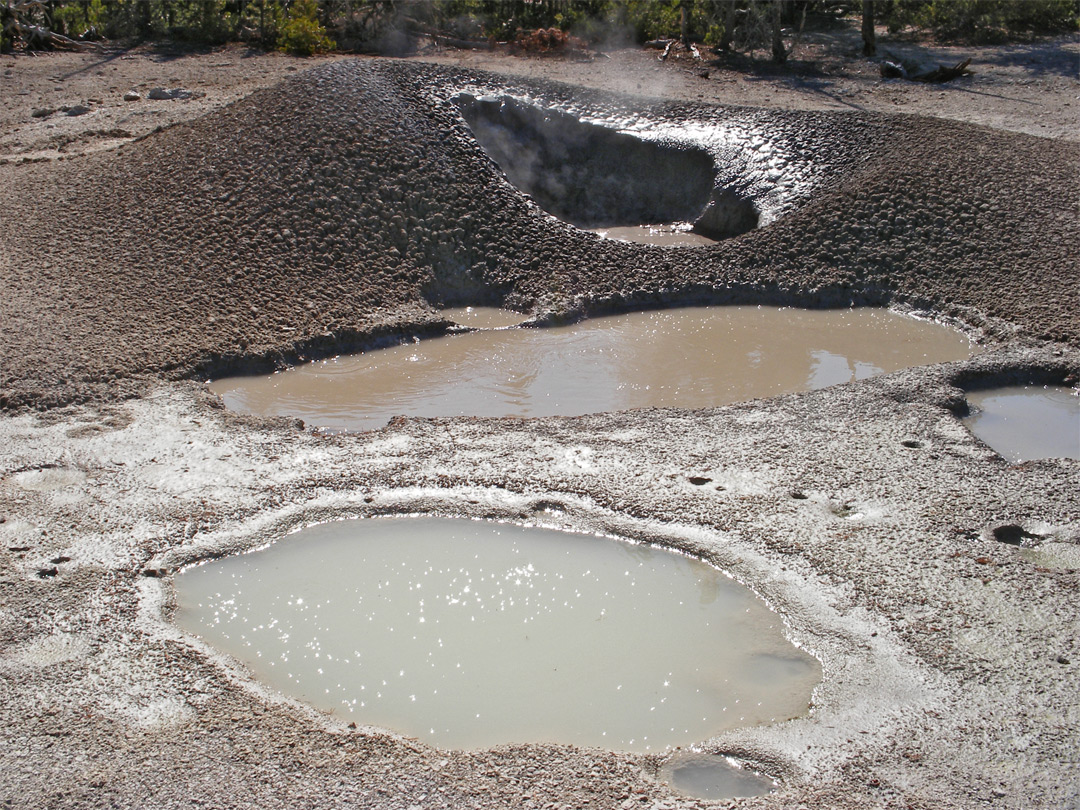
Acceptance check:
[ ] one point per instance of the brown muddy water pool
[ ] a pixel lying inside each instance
(691, 357)
(1022, 423)
(468, 634)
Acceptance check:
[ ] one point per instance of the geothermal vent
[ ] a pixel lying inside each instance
(594, 177)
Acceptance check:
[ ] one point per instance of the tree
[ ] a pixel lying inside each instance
(869, 47)
(302, 33)
(779, 53)
(728, 26)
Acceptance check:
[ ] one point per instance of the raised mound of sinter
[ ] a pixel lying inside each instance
(468, 634)
(595, 177)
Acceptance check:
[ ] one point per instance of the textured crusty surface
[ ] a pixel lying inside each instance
(341, 208)
(298, 218)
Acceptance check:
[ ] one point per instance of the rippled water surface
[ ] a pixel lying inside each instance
(469, 634)
(691, 357)
(483, 317)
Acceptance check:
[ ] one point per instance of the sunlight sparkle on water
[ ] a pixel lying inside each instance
(541, 636)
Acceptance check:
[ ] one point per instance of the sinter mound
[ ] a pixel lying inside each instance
(340, 204)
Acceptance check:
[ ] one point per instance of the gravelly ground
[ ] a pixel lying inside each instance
(340, 206)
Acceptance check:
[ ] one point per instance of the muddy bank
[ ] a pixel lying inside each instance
(348, 200)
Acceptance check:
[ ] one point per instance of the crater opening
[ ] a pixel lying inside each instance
(469, 634)
(1013, 534)
(595, 177)
(691, 357)
(1027, 422)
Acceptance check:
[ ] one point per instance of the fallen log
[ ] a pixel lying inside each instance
(14, 17)
(945, 74)
(940, 74)
(445, 39)
(462, 44)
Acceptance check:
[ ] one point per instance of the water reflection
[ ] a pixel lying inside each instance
(470, 634)
(692, 357)
(713, 777)
(1027, 422)
(667, 235)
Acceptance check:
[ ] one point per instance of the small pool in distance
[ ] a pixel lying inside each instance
(1027, 422)
(468, 634)
(692, 357)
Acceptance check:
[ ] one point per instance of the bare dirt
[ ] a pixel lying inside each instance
(1032, 88)
(341, 207)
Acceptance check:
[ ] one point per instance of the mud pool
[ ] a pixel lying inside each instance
(692, 357)
(483, 317)
(468, 634)
(1027, 422)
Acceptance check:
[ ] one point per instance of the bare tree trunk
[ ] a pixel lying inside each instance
(779, 55)
(241, 10)
(684, 22)
(729, 25)
(869, 41)
(143, 13)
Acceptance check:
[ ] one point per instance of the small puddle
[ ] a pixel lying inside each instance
(1065, 556)
(468, 634)
(705, 776)
(483, 317)
(668, 235)
(692, 357)
(1022, 423)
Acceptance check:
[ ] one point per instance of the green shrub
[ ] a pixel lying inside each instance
(302, 33)
(74, 20)
(985, 20)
